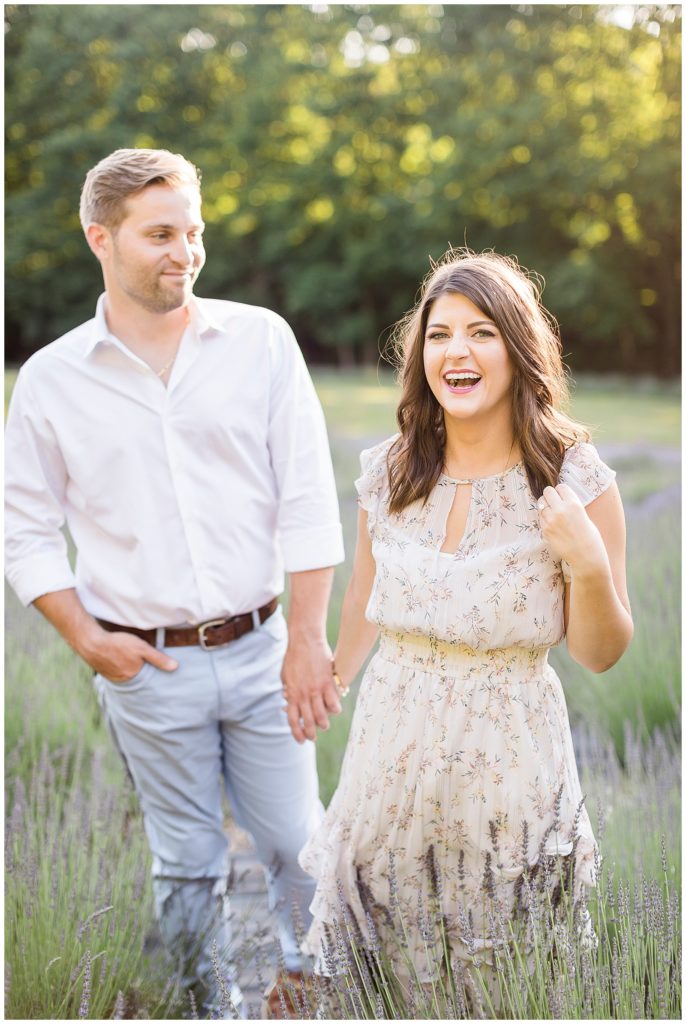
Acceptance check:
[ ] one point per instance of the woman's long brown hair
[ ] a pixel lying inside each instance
(511, 299)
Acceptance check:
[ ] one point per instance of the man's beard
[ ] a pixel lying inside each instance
(155, 299)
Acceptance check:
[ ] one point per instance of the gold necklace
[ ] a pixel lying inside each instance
(161, 373)
(168, 366)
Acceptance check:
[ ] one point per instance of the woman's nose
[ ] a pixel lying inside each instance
(458, 344)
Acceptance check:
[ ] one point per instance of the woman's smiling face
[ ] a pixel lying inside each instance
(466, 361)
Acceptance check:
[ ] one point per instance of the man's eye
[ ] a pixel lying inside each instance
(160, 235)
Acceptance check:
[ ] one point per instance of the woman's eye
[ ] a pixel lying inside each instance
(436, 336)
(483, 333)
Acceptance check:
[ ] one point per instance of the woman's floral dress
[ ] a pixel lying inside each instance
(459, 764)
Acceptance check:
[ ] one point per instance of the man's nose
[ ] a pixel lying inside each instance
(182, 251)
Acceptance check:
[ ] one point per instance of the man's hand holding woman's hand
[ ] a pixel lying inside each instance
(308, 685)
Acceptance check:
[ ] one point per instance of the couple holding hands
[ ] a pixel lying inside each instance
(182, 442)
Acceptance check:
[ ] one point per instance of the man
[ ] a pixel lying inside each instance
(182, 441)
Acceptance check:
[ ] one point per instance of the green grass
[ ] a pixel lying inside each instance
(639, 475)
(73, 837)
(76, 845)
(74, 834)
(643, 689)
(77, 892)
(638, 412)
(360, 404)
(546, 966)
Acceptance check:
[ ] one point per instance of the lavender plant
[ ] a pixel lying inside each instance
(77, 897)
(77, 901)
(80, 932)
(617, 956)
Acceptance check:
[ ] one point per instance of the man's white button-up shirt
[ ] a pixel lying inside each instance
(185, 502)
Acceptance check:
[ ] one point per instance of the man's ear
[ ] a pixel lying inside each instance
(99, 239)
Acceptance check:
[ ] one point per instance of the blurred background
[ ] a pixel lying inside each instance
(343, 146)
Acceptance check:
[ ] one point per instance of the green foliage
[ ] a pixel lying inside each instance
(74, 836)
(644, 687)
(612, 952)
(643, 690)
(341, 145)
(618, 409)
(631, 971)
(66, 695)
(77, 897)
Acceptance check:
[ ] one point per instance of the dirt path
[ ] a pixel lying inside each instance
(253, 924)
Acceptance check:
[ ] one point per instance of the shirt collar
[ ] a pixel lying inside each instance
(99, 331)
(201, 319)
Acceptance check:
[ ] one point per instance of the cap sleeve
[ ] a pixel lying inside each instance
(372, 485)
(585, 472)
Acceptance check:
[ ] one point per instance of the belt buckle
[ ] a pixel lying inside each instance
(202, 640)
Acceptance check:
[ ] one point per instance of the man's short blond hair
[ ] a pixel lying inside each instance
(126, 172)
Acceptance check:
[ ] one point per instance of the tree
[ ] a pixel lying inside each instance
(342, 146)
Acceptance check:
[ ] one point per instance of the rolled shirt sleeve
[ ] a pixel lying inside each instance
(36, 559)
(310, 533)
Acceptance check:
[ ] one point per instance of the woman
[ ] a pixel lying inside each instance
(488, 530)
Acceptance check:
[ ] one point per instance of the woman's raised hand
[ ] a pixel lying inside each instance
(569, 531)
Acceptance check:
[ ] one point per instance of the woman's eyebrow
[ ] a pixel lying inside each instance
(476, 323)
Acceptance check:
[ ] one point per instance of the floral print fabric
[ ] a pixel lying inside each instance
(460, 746)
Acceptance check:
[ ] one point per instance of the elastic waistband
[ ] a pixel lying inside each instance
(428, 654)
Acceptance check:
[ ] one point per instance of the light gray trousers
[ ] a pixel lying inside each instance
(217, 722)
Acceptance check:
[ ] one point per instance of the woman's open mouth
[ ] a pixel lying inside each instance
(461, 382)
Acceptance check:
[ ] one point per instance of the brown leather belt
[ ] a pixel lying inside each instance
(211, 634)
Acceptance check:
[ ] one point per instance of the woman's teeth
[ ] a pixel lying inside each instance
(461, 380)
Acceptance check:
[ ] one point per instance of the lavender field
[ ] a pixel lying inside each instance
(80, 935)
